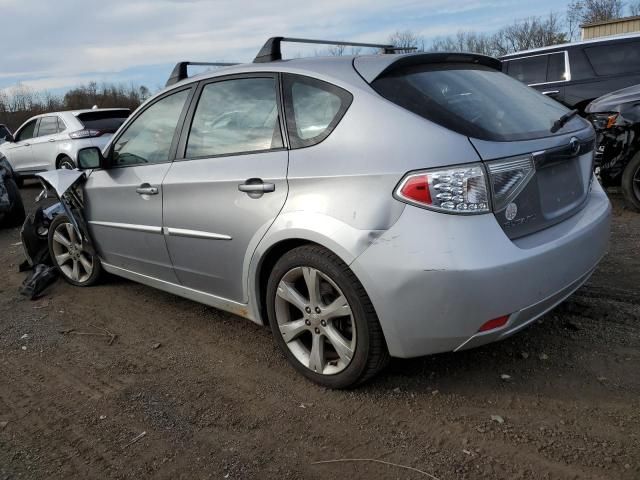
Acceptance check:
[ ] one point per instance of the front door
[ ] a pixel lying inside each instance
(222, 196)
(123, 202)
(19, 151)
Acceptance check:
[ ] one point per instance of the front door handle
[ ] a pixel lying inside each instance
(52, 139)
(146, 189)
(256, 186)
(551, 92)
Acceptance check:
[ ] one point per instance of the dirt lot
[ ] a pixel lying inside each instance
(217, 400)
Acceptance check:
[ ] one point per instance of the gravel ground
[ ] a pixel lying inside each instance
(217, 400)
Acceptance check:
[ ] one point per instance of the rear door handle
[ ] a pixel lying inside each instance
(256, 185)
(52, 139)
(146, 189)
(551, 92)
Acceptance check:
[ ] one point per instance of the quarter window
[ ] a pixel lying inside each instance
(48, 126)
(61, 126)
(235, 116)
(556, 71)
(27, 131)
(614, 59)
(314, 108)
(149, 137)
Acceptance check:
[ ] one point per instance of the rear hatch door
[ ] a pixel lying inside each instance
(538, 174)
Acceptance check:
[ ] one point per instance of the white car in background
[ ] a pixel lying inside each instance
(52, 140)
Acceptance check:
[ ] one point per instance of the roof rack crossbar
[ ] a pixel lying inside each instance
(271, 50)
(180, 70)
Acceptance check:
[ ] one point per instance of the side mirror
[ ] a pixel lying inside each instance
(89, 158)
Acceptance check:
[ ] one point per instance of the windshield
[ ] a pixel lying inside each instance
(474, 100)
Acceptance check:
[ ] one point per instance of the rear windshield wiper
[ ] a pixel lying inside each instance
(558, 124)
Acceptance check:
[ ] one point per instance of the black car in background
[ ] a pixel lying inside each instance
(616, 118)
(577, 73)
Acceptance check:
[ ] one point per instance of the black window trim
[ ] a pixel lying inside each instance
(174, 142)
(188, 120)
(61, 122)
(567, 66)
(345, 96)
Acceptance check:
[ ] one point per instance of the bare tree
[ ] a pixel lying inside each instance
(406, 39)
(337, 50)
(591, 11)
(533, 32)
(634, 8)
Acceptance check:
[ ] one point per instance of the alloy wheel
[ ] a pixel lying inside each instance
(72, 259)
(315, 320)
(636, 183)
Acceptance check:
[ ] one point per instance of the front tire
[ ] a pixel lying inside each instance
(323, 320)
(69, 255)
(631, 183)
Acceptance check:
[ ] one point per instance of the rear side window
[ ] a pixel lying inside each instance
(48, 126)
(474, 100)
(529, 70)
(556, 71)
(614, 59)
(313, 109)
(235, 116)
(107, 121)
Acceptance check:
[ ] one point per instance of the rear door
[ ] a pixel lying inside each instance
(547, 73)
(43, 146)
(123, 203)
(227, 184)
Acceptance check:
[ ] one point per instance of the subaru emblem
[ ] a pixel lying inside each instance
(511, 211)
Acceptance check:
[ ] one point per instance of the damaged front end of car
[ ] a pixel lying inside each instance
(616, 119)
(66, 187)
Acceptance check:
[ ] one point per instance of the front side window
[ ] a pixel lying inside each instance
(314, 108)
(149, 137)
(475, 101)
(529, 70)
(614, 59)
(235, 116)
(48, 126)
(27, 131)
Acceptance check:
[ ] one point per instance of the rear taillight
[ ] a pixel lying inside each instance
(454, 190)
(86, 133)
(508, 178)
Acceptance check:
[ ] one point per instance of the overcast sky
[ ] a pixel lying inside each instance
(57, 44)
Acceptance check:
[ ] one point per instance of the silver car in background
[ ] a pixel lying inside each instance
(364, 207)
(52, 140)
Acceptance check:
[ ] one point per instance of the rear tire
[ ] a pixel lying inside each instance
(75, 263)
(66, 163)
(333, 336)
(14, 217)
(631, 183)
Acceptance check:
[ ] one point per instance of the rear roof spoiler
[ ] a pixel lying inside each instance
(180, 70)
(271, 51)
(372, 67)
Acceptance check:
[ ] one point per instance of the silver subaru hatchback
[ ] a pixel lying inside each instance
(366, 207)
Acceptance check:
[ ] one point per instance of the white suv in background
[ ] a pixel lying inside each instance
(52, 140)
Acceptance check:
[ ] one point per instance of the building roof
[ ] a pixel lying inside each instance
(609, 22)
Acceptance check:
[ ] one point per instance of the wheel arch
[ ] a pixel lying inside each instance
(60, 156)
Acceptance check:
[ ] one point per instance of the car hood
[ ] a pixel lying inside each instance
(614, 101)
(61, 180)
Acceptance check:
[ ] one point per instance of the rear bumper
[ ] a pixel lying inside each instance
(434, 279)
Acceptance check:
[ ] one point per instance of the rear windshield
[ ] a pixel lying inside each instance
(106, 121)
(475, 101)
